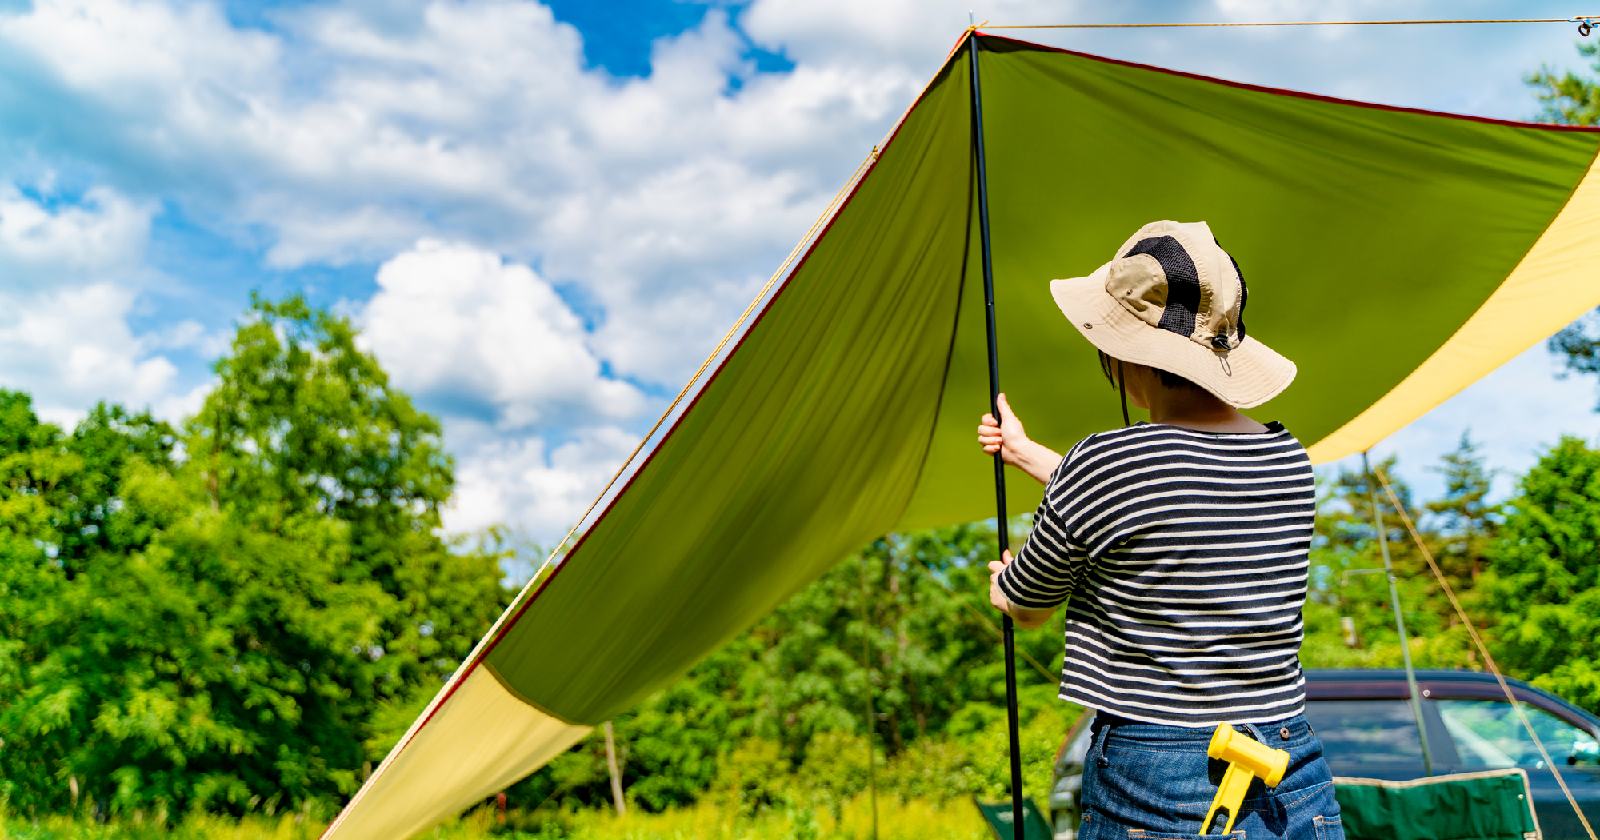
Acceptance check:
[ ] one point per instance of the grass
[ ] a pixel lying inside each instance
(897, 820)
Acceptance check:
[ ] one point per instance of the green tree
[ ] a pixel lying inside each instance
(303, 423)
(215, 631)
(36, 725)
(1347, 585)
(1567, 97)
(1543, 577)
(1464, 518)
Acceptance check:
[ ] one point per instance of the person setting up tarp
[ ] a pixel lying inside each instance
(1180, 547)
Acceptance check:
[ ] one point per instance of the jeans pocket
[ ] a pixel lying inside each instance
(1328, 828)
(1141, 834)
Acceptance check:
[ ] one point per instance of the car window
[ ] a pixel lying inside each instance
(1489, 736)
(1372, 738)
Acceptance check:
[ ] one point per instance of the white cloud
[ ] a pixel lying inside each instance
(131, 50)
(72, 347)
(360, 133)
(543, 490)
(105, 232)
(70, 271)
(355, 130)
(175, 407)
(457, 324)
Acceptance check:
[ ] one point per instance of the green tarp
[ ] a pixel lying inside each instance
(1000, 818)
(1394, 255)
(1367, 237)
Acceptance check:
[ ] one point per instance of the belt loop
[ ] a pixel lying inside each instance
(1255, 732)
(1098, 743)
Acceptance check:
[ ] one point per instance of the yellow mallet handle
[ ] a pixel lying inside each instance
(1230, 795)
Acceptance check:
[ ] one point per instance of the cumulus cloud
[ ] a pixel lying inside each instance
(362, 131)
(541, 489)
(351, 132)
(72, 347)
(473, 333)
(70, 269)
(105, 232)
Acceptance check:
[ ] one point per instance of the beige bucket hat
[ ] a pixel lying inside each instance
(1172, 299)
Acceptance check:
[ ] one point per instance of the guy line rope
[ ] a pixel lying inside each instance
(1585, 23)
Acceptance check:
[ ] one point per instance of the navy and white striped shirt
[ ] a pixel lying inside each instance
(1182, 556)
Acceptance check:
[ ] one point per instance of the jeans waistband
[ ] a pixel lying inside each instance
(1289, 728)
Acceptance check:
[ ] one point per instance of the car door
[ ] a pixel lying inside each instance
(1487, 734)
(1068, 779)
(1368, 737)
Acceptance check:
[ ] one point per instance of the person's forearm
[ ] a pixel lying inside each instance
(1039, 461)
(1027, 618)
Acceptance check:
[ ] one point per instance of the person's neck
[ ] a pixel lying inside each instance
(1198, 411)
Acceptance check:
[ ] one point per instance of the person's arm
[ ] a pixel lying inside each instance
(1051, 565)
(1007, 437)
(1026, 617)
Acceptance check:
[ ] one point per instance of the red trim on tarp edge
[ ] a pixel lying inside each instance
(1585, 129)
(506, 628)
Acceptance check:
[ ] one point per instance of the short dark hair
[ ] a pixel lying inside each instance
(1167, 378)
(1174, 381)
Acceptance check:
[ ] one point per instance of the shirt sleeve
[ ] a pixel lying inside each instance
(1051, 564)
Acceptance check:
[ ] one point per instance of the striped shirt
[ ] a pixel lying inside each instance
(1182, 556)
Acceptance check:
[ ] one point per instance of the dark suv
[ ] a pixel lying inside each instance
(1368, 729)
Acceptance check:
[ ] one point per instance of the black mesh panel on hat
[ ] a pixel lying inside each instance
(1244, 293)
(1183, 282)
(1244, 290)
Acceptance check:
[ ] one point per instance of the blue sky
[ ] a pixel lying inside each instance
(543, 216)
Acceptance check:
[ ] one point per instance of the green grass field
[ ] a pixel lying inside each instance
(897, 820)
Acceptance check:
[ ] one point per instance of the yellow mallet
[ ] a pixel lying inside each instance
(1247, 759)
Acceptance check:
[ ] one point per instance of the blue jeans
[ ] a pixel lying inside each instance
(1143, 781)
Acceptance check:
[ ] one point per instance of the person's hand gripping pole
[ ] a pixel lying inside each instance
(1006, 436)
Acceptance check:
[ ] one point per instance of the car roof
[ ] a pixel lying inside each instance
(1390, 683)
(1391, 674)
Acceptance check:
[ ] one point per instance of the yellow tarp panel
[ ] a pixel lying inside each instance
(479, 742)
(1552, 286)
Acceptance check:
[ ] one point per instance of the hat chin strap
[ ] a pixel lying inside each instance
(1122, 393)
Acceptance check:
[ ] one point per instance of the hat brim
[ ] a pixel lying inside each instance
(1244, 377)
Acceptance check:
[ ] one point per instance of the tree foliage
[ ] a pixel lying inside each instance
(1569, 98)
(244, 613)
(207, 620)
(1543, 576)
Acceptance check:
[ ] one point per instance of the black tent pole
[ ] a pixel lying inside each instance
(1007, 627)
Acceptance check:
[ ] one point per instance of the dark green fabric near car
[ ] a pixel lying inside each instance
(1366, 236)
(1468, 807)
(1001, 819)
